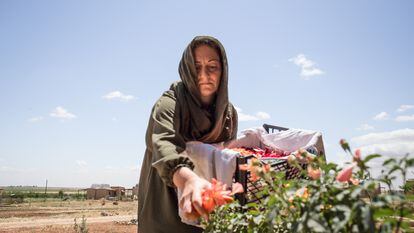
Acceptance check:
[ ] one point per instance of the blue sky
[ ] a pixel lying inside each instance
(78, 78)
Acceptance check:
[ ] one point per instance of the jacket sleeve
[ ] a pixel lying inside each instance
(167, 144)
(234, 122)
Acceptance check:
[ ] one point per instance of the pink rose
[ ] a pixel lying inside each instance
(314, 173)
(345, 175)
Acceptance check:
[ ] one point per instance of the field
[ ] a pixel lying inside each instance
(57, 215)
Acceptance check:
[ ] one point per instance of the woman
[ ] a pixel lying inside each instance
(193, 109)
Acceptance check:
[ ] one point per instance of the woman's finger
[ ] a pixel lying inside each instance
(193, 216)
(187, 207)
(197, 204)
(185, 204)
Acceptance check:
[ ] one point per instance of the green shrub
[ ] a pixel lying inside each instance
(334, 200)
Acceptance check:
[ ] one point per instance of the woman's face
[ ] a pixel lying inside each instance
(208, 66)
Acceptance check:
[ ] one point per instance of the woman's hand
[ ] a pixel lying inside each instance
(192, 187)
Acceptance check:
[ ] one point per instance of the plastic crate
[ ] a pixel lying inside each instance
(252, 188)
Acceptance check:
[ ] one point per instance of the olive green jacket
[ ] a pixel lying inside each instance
(178, 117)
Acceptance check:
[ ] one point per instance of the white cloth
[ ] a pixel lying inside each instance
(210, 161)
(292, 139)
(287, 141)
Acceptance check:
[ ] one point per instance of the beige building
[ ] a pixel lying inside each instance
(104, 191)
(98, 193)
(132, 192)
(119, 191)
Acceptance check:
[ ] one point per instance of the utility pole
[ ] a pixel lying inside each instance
(46, 190)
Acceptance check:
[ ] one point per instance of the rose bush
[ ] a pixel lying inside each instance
(331, 199)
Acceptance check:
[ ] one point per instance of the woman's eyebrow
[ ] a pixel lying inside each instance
(208, 60)
(214, 60)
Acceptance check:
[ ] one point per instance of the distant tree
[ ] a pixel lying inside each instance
(61, 194)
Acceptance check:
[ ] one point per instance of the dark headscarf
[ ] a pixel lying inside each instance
(216, 123)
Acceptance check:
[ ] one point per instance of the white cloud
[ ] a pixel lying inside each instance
(246, 117)
(404, 118)
(263, 115)
(365, 127)
(118, 95)
(404, 108)
(392, 144)
(307, 66)
(401, 135)
(81, 163)
(60, 112)
(35, 119)
(381, 116)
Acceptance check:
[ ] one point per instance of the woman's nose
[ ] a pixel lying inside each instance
(202, 74)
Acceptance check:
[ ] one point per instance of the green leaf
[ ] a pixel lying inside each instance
(357, 191)
(383, 212)
(394, 168)
(410, 162)
(342, 194)
(372, 156)
(343, 214)
(388, 161)
(329, 166)
(315, 225)
(257, 219)
(378, 204)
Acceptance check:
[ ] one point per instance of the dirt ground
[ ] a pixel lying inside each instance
(59, 216)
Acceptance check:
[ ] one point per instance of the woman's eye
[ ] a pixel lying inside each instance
(212, 68)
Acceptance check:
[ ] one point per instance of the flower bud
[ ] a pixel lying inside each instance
(344, 145)
(302, 152)
(357, 155)
(291, 159)
(266, 168)
(345, 175)
(354, 181)
(310, 157)
(302, 193)
(314, 173)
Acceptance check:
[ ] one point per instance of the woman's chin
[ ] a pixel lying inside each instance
(208, 94)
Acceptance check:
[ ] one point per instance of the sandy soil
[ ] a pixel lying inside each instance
(58, 216)
(94, 224)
